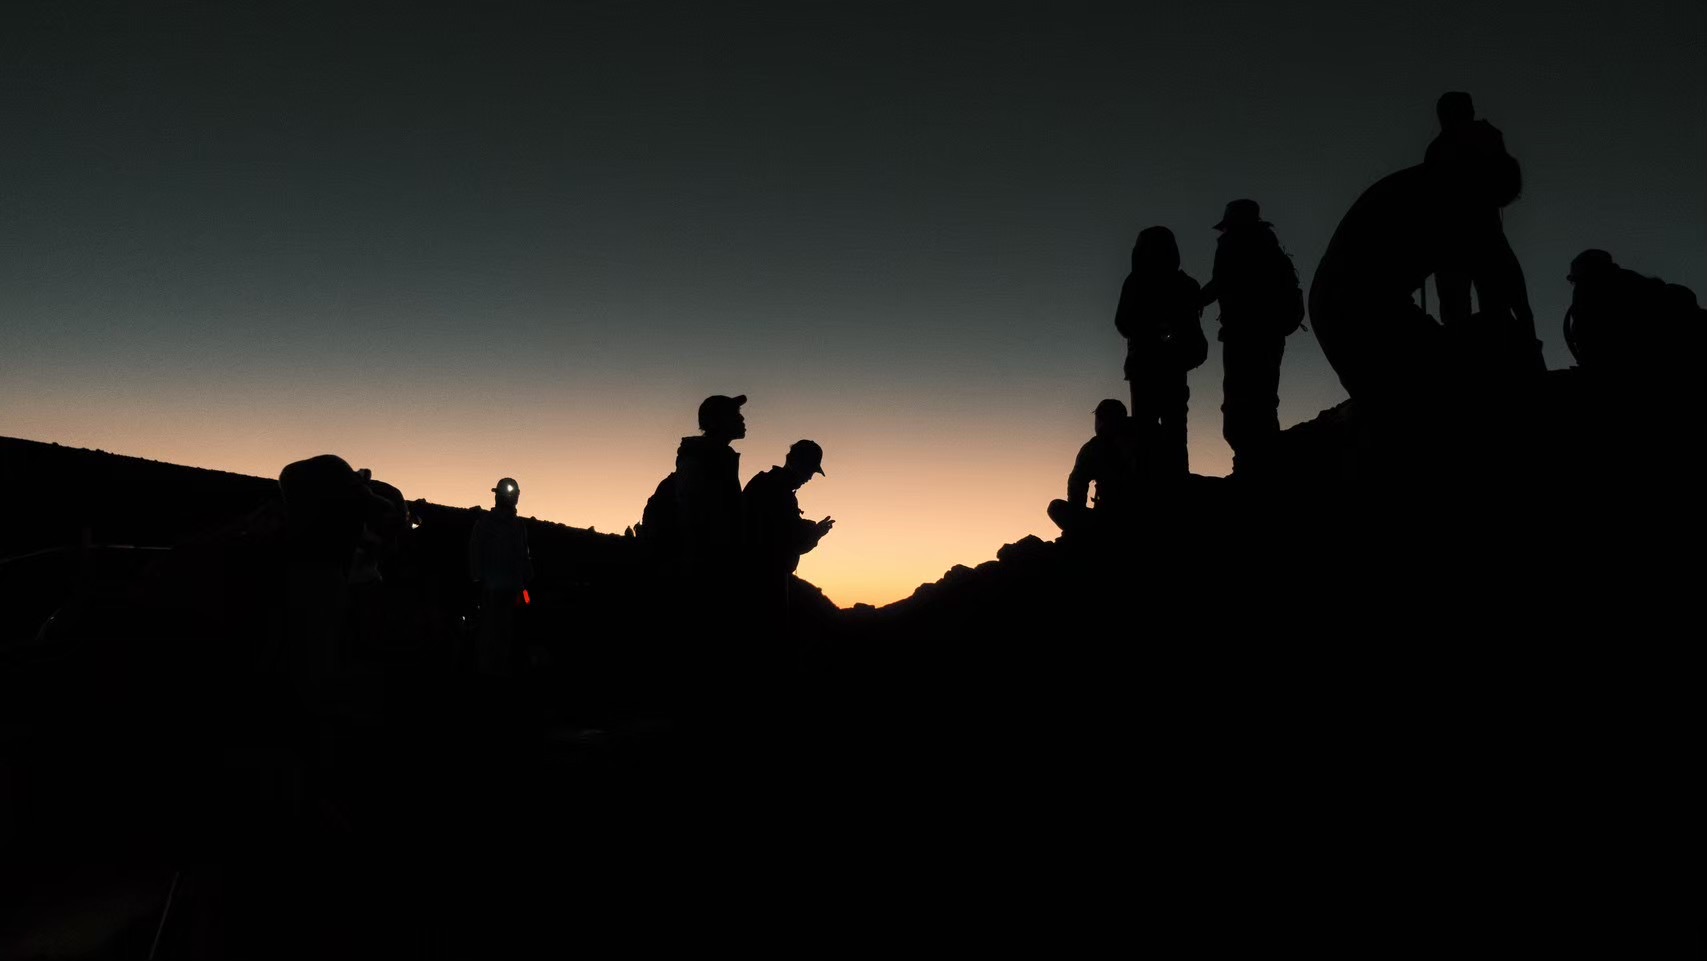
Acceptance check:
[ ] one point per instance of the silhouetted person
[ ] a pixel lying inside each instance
(388, 601)
(1592, 332)
(1441, 218)
(1260, 305)
(1636, 335)
(1460, 148)
(327, 506)
(1110, 460)
(1159, 314)
(776, 533)
(498, 560)
(1621, 321)
(708, 483)
(760, 667)
(1457, 114)
(380, 535)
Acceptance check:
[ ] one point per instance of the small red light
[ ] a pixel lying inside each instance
(526, 600)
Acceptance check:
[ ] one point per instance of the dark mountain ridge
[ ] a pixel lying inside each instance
(1426, 685)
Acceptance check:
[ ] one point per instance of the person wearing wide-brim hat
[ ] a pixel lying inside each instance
(1241, 213)
(1261, 303)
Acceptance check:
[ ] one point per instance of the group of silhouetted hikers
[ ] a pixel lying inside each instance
(1159, 314)
(730, 553)
(272, 660)
(726, 553)
(243, 651)
(1440, 219)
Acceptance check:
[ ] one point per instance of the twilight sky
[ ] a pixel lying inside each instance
(456, 242)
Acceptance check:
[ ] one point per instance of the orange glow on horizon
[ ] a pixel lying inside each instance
(914, 491)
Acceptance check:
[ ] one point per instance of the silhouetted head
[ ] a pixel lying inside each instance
(720, 417)
(396, 520)
(327, 499)
(1472, 162)
(507, 492)
(1241, 213)
(805, 458)
(1454, 109)
(1110, 417)
(1156, 251)
(1591, 264)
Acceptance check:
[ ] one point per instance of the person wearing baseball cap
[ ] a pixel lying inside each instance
(708, 482)
(774, 535)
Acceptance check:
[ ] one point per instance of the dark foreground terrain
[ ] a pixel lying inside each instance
(1428, 691)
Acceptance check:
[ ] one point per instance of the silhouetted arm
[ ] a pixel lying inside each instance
(1079, 481)
(1499, 281)
(1124, 321)
(1212, 291)
(807, 535)
(1453, 286)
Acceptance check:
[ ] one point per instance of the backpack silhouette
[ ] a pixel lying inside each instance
(1288, 295)
(660, 525)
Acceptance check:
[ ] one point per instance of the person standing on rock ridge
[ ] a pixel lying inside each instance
(1261, 305)
(1159, 314)
(699, 506)
(708, 484)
